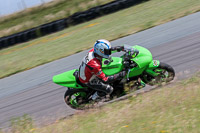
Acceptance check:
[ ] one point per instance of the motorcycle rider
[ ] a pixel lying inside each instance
(90, 70)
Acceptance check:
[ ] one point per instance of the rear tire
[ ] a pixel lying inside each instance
(165, 74)
(76, 98)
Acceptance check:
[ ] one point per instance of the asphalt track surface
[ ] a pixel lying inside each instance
(32, 92)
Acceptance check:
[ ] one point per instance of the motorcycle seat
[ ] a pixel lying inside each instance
(76, 75)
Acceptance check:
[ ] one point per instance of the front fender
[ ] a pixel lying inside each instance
(154, 64)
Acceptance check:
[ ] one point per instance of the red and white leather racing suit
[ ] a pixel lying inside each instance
(91, 74)
(90, 68)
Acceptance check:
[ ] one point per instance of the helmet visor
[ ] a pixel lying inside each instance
(107, 51)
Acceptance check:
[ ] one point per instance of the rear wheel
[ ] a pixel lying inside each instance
(77, 98)
(165, 74)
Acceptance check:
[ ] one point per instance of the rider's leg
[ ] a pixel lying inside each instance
(101, 88)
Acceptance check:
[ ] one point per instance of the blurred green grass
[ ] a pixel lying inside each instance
(81, 37)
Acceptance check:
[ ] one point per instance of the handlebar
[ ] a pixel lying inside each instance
(130, 53)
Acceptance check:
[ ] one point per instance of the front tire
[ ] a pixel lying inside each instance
(165, 74)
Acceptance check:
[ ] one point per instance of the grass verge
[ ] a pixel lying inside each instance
(170, 109)
(75, 39)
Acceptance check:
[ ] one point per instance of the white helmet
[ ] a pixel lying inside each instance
(102, 47)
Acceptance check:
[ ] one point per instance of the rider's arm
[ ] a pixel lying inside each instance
(133, 51)
(108, 79)
(117, 48)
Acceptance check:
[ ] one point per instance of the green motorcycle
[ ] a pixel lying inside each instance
(141, 70)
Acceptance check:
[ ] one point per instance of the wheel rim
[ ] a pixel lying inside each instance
(77, 99)
(165, 76)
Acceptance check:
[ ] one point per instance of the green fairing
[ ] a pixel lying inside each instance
(66, 79)
(144, 57)
(144, 61)
(113, 67)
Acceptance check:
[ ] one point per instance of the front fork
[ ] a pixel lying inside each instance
(139, 83)
(150, 70)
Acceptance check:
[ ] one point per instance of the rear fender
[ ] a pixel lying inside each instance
(67, 79)
(154, 64)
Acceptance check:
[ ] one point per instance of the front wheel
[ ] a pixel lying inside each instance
(76, 98)
(165, 74)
